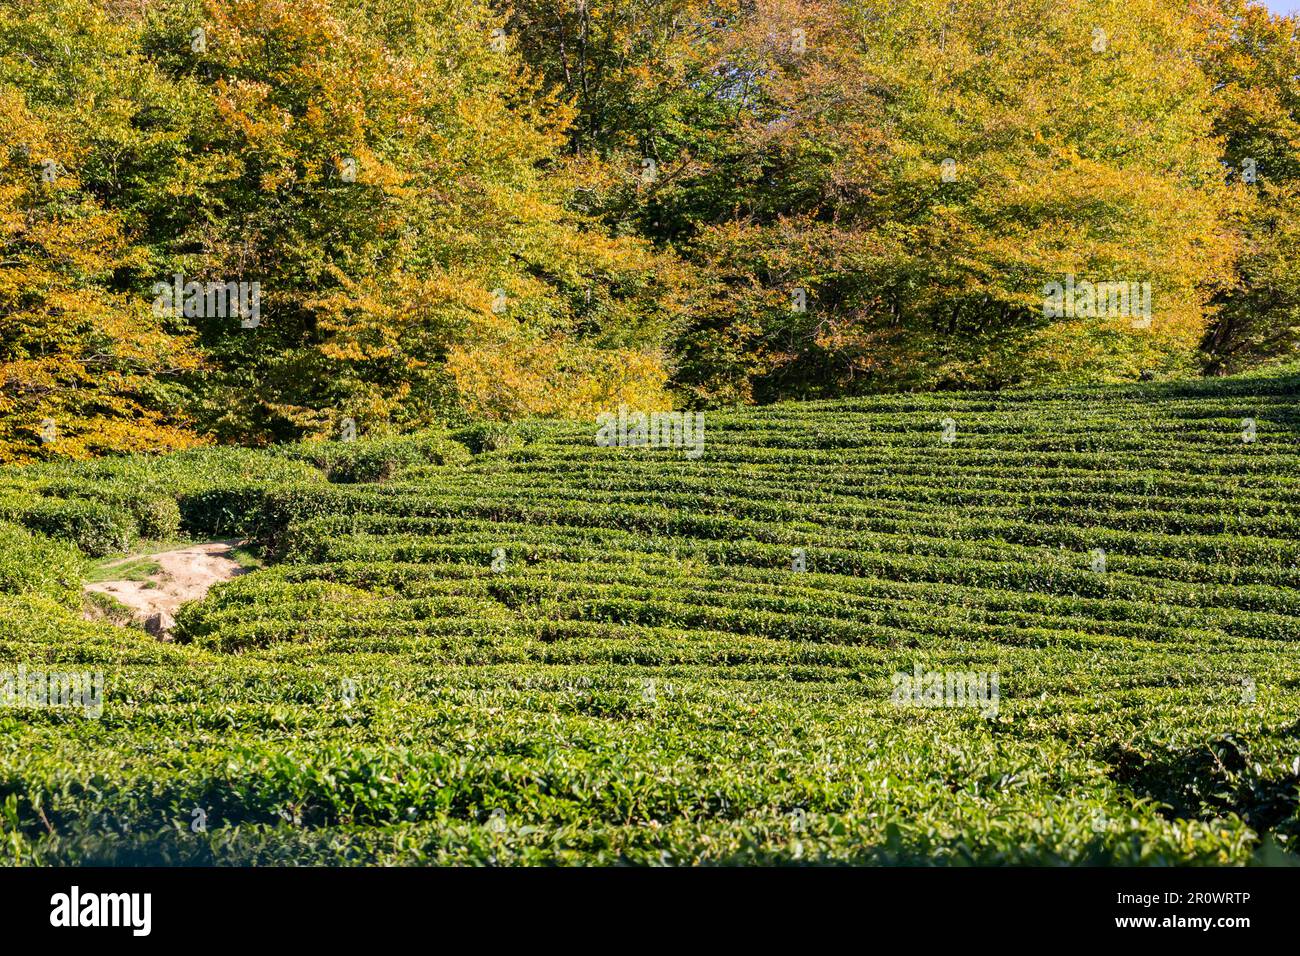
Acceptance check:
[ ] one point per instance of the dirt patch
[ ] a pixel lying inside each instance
(185, 574)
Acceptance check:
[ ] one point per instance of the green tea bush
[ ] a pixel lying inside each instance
(223, 512)
(565, 653)
(94, 527)
(498, 436)
(378, 459)
(32, 564)
(158, 516)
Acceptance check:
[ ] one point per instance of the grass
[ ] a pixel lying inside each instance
(123, 569)
(553, 652)
(247, 557)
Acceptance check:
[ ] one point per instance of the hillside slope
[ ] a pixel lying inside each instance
(539, 649)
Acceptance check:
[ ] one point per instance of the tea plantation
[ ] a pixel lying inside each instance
(514, 645)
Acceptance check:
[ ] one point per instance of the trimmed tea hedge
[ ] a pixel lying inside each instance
(512, 645)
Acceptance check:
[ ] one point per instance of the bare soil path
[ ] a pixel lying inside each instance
(185, 574)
